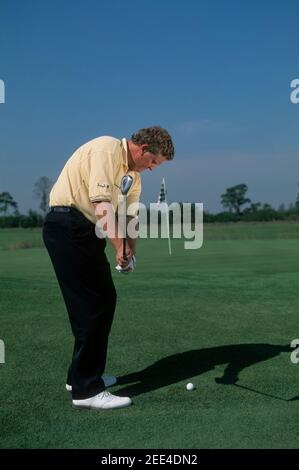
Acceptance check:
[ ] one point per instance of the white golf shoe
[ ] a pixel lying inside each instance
(103, 401)
(109, 380)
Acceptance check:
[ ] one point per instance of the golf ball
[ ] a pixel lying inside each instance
(190, 386)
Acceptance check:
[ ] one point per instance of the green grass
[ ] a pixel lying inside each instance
(251, 231)
(179, 319)
(18, 238)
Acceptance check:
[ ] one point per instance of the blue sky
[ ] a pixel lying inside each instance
(215, 74)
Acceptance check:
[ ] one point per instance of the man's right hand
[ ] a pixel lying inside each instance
(119, 255)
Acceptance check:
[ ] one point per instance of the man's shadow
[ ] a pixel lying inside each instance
(177, 367)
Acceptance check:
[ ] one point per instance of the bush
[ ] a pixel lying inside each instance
(31, 220)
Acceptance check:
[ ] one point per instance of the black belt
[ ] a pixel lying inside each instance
(61, 209)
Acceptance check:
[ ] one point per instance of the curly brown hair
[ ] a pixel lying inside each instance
(158, 139)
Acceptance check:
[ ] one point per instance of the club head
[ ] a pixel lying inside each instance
(125, 184)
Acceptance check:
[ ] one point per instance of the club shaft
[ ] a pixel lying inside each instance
(124, 249)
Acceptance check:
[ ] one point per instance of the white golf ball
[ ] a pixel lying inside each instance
(190, 386)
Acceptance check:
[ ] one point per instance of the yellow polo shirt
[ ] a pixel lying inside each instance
(93, 173)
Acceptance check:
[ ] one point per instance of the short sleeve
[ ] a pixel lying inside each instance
(102, 175)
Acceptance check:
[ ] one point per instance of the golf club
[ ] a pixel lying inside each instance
(125, 185)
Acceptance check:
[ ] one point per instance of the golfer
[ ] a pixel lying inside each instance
(89, 181)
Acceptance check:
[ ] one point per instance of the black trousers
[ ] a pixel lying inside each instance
(84, 277)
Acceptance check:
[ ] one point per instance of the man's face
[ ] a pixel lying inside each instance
(147, 161)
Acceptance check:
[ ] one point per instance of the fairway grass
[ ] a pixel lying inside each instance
(227, 310)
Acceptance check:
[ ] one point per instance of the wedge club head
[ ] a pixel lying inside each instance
(125, 184)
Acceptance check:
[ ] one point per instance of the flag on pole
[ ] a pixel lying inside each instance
(162, 199)
(163, 193)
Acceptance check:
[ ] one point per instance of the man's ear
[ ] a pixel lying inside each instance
(144, 148)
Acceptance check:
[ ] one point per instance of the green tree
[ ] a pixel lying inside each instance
(281, 208)
(7, 201)
(253, 208)
(234, 198)
(41, 191)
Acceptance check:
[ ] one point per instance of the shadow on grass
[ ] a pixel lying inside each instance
(177, 367)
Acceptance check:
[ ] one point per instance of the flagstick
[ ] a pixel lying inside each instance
(167, 220)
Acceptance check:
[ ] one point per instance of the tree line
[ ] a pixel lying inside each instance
(237, 207)
(10, 215)
(240, 208)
